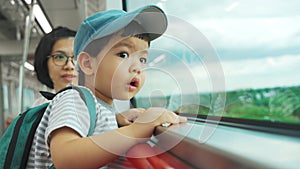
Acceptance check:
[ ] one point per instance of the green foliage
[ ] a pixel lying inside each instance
(193, 109)
(272, 104)
(247, 110)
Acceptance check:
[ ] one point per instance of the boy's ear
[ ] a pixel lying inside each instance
(85, 61)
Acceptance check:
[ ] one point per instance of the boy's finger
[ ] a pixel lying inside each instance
(182, 119)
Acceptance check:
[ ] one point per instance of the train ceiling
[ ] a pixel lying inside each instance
(68, 13)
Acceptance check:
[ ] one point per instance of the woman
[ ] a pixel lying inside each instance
(54, 62)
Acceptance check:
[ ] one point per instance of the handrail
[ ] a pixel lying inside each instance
(228, 147)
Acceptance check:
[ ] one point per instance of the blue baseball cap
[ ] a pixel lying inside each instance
(151, 18)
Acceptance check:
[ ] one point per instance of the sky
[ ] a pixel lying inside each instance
(249, 43)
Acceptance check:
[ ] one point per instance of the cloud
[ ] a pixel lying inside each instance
(251, 33)
(238, 74)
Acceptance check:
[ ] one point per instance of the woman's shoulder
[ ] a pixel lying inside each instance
(39, 101)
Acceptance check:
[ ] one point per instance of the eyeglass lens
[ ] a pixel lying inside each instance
(62, 59)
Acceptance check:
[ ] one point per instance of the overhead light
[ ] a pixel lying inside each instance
(12, 2)
(40, 17)
(28, 1)
(28, 66)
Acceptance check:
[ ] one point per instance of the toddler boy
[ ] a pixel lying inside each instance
(111, 50)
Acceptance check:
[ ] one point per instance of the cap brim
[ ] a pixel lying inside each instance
(151, 18)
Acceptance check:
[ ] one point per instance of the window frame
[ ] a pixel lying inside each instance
(215, 153)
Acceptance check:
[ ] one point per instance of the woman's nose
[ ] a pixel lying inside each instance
(70, 64)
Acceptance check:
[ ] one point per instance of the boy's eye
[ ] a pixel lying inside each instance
(143, 60)
(123, 55)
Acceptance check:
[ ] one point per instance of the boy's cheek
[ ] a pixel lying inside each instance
(143, 78)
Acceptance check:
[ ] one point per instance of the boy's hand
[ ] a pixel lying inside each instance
(160, 116)
(143, 127)
(128, 116)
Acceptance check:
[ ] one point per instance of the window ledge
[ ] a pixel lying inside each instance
(205, 145)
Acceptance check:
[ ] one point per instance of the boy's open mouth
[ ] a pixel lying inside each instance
(134, 83)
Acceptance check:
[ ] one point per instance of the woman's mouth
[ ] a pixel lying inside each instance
(68, 77)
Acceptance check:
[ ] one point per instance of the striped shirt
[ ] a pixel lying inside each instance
(67, 110)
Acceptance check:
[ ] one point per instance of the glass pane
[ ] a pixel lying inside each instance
(226, 57)
(28, 98)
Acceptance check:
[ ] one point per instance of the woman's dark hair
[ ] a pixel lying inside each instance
(44, 49)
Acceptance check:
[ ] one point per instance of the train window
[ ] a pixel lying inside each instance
(232, 68)
(234, 59)
(114, 4)
(5, 95)
(28, 98)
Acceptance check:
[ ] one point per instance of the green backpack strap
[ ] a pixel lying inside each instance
(89, 100)
(90, 103)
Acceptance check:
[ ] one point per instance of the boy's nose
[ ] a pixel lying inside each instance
(136, 67)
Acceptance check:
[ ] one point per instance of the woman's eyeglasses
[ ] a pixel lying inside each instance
(61, 59)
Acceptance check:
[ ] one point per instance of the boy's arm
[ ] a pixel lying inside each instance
(69, 150)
